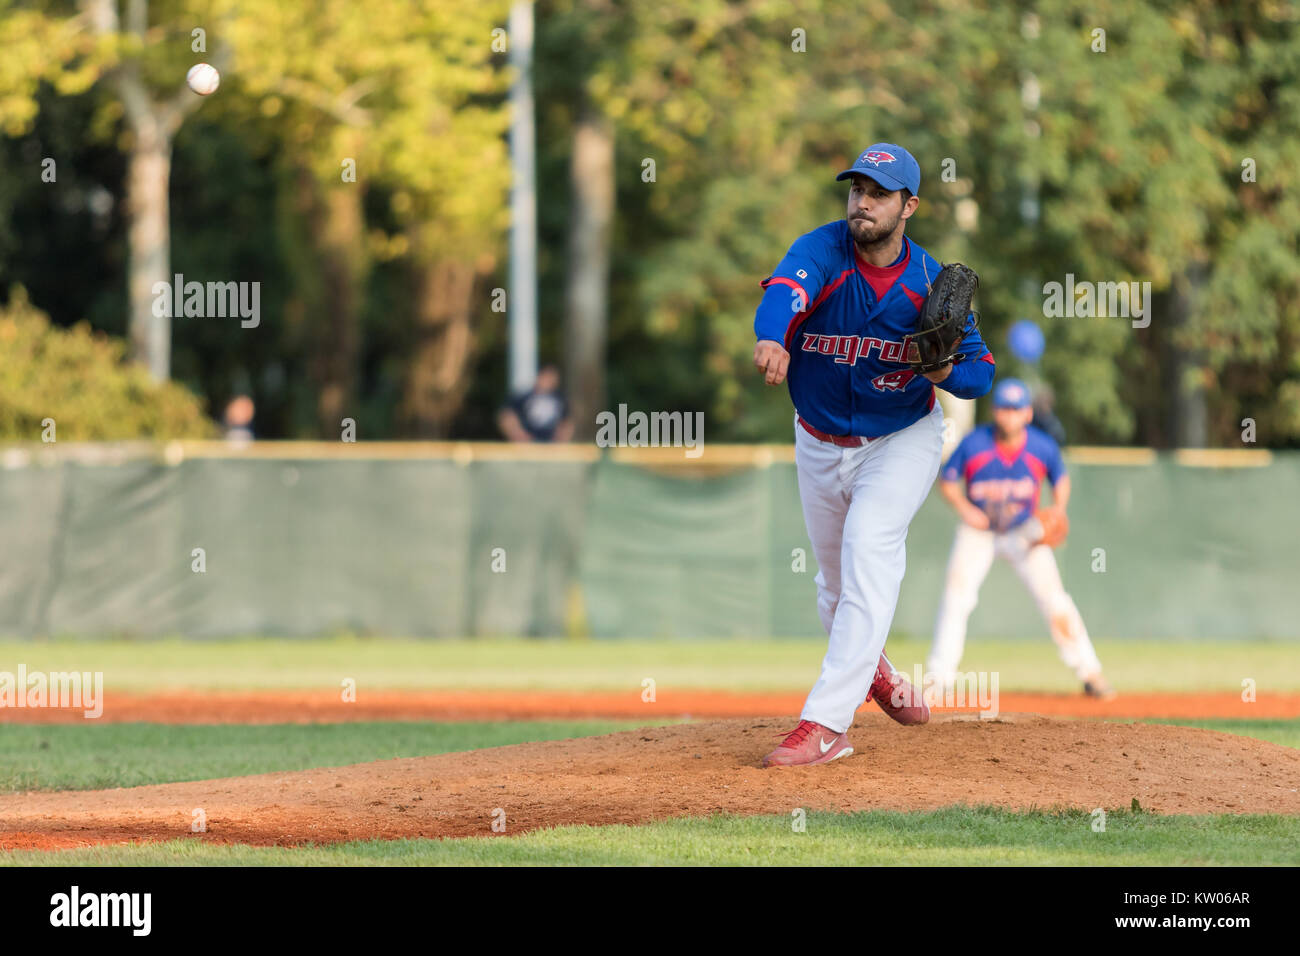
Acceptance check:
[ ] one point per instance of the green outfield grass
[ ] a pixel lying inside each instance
(774, 665)
(1284, 732)
(952, 837)
(85, 756)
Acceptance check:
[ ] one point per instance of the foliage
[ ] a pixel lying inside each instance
(79, 379)
(1117, 165)
(1133, 157)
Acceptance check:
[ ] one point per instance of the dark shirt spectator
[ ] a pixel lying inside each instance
(539, 415)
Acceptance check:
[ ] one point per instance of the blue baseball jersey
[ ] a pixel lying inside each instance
(847, 326)
(1005, 483)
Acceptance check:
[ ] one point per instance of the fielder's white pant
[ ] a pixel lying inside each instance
(857, 505)
(972, 555)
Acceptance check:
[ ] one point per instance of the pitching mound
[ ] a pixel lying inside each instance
(1018, 761)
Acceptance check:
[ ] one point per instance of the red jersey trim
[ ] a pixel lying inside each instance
(782, 280)
(883, 272)
(1009, 454)
(882, 278)
(802, 317)
(976, 463)
(1036, 466)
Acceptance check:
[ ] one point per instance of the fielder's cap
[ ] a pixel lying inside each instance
(1011, 393)
(890, 165)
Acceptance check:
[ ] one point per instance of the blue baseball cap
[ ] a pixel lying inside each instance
(890, 165)
(1011, 393)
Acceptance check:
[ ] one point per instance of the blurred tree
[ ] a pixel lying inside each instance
(1164, 157)
(1138, 149)
(575, 39)
(75, 381)
(146, 76)
(405, 99)
(396, 95)
(72, 51)
(732, 120)
(1243, 60)
(47, 226)
(1047, 149)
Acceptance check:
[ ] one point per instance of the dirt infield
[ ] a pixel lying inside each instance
(1017, 761)
(285, 706)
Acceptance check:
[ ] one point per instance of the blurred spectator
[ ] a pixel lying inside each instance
(540, 414)
(238, 420)
(1044, 417)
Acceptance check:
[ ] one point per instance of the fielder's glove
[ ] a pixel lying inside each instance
(945, 319)
(1055, 526)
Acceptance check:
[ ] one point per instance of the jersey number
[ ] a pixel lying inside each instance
(893, 381)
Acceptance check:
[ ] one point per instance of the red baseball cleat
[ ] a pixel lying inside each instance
(896, 695)
(809, 743)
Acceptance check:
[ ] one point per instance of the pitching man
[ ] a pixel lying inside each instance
(993, 480)
(838, 322)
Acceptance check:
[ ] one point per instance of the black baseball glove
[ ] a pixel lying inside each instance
(943, 323)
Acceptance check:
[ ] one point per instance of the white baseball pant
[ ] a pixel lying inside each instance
(971, 558)
(857, 505)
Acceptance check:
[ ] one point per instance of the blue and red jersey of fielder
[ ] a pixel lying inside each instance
(847, 325)
(1005, 483)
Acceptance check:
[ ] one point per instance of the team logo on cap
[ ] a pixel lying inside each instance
(876, 156)
(1013, 393)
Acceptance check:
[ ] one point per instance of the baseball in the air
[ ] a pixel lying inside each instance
(203, 78)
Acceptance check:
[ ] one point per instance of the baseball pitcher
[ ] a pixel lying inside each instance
(863, 324)
(993, 480)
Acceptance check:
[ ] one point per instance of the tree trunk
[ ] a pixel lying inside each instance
(438, 374)
(153, 124)
(148, 238)
(1190, 425)
(338, 229)
(587, 293)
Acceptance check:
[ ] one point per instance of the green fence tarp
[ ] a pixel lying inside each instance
(441, 549)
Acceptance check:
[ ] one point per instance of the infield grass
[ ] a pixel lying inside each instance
(955, 836)
(739, 665)
(86, 756)
(1284, 732)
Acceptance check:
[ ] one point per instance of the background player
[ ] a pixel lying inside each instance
(835, 320)
(993, 480)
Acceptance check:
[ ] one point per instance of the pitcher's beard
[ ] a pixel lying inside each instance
(867, 236)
